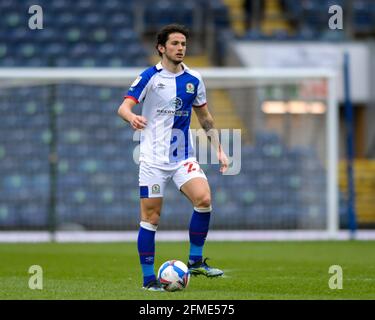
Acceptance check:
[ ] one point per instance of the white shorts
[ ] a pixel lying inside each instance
(153, 178)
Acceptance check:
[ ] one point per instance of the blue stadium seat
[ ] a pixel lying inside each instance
(161, 13)
(281, 35)
(254, 35)
(9, 62)
(58, 5)
(35, 62)
(125, 36)
(92, 19)
(14, 19)
(75, 35)
(80, 50)
(65, 20)
(185, 14)
(7, 5)
(110, 49)
(18, 35)
(112, 6)
(306, 32)
(220, 14)
(54, 49)
(263, 138)
(134, 50)
(363, 19)
(120, 20)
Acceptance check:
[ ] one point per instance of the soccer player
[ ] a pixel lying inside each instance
(168, 92)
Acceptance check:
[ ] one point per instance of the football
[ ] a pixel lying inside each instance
(174, 275)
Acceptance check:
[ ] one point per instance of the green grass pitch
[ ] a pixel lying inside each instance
(253, 270)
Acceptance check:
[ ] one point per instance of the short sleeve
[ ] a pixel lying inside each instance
(138, 88)
(200, 99)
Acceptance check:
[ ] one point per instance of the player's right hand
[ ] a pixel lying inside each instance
(138, 122)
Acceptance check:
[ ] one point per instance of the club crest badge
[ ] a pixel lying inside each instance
(155, 189)
(190, 88)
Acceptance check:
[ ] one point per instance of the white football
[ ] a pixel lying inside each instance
(174, 275)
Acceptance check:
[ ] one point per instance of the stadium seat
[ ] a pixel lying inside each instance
(306, 32)
(161, 13)
(185, 14)
(7, 5)
(13, 19)
(64, 20)
(120, 20)
(74, 35)
(92, 19)
(58, 5)
(220, 14)
(112, 6)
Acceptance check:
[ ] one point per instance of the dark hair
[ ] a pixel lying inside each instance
(163, 34)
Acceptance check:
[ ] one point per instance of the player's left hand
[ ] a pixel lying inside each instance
(223, 159)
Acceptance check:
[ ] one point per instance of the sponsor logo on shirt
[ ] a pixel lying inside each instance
(177, 103)
(173, 108)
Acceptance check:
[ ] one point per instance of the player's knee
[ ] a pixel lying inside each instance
(151, 215)
(153, 219)
(203, 202)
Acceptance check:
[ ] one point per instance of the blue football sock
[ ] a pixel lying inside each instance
(198, 230)
(146, 250)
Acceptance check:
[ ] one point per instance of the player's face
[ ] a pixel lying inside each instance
(175, 48)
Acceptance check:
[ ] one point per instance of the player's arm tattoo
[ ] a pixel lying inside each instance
(207, 124)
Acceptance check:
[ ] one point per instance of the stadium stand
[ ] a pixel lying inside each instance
(302, 20)
(76, 34)
(96, 170)
(95, 178)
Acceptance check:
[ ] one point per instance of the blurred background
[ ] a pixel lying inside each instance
(66, 159)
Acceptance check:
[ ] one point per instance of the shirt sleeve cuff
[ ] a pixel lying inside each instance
(131, 98)
(200, 106)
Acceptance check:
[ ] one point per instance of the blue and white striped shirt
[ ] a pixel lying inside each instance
(167, 100)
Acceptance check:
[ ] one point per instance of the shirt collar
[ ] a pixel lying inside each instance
(159, 66)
